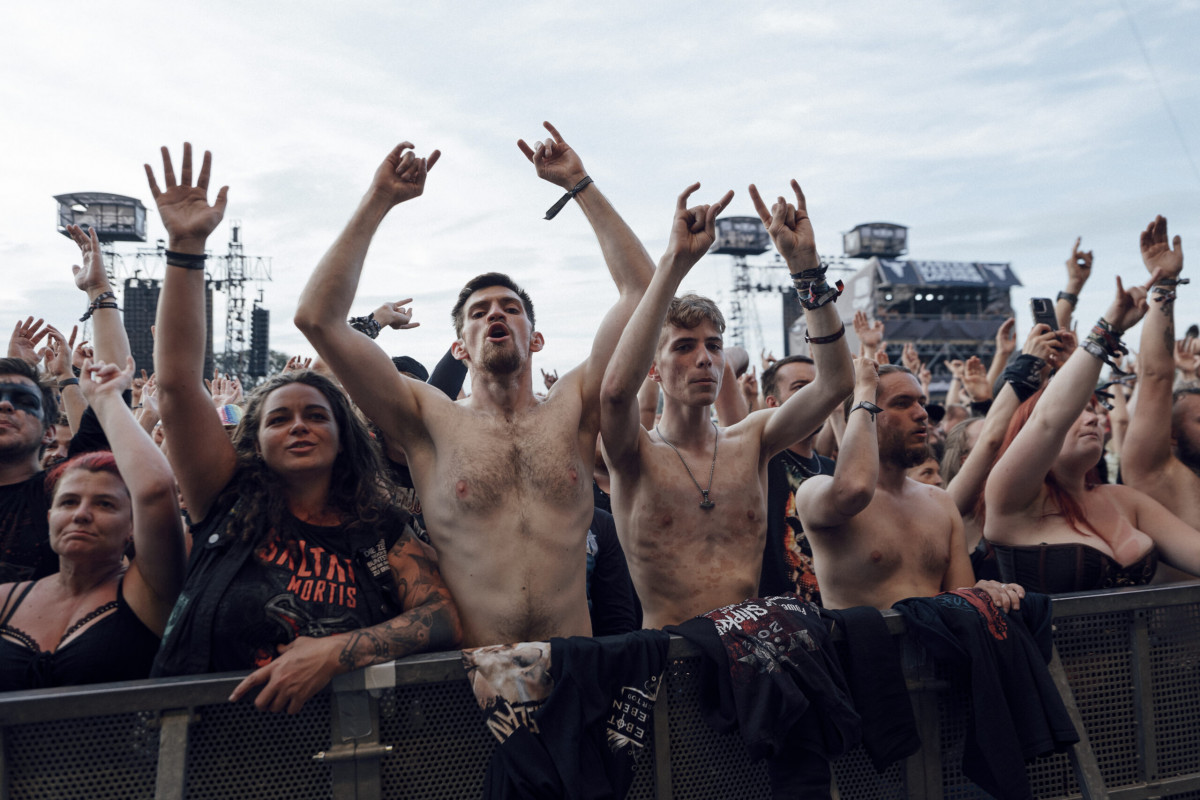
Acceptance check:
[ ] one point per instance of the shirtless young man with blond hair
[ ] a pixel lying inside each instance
(878, 536)
(504, 477)
(689, 498)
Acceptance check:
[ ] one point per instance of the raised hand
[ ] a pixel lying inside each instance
(57, 356)
(1079, 267)
(1187, 360)
(549, 378)
(869, 334)
(296, 363)
(1006, 339)
(748, 382)
(402, 174)
(150, 396)
(395, 315)
(693, 230)
(1043, 342)
(554, 159)
(790, 229)
(974, 380)
(99, 379)
(1157, 254)
(139, 384)
(1129, 306)
(925, 377)
(955, 367)
(226, 390)
(26, 337)
(866, 377)
(910, 359)
(1067, 341)
(184, 208)
(91, 277)
(80, 352)
(767, 358)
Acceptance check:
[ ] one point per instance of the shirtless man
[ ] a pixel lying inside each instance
(1162, 461)
(878, 536)
(689, 498)
(504, 477)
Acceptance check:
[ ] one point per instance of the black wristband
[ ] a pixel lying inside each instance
(68, 382)
(186, 260)
(1073, 299)
(1024, 374)
(99, 303)
(562, 201)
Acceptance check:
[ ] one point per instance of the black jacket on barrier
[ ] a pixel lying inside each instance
(871, 660)
(771, 673)
(1016, 711)
(598, 716)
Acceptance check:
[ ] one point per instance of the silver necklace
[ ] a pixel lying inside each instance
(706, 504)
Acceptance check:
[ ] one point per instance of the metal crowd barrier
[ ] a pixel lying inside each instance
(412, 730)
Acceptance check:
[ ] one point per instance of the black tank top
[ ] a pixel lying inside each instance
(1058, 568)
(117, 648)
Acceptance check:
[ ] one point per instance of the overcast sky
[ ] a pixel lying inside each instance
(995, 132)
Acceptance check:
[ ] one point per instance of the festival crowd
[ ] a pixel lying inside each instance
(358, 509)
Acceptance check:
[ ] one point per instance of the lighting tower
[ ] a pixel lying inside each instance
(740, 237)
(117, 218)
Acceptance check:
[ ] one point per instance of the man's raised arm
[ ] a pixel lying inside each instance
(693, 231)
(824, 502)
(627, 259)
(1147, 448)
(792, 232)
(363, 368)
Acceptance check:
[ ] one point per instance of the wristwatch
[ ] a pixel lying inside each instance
(870, 408)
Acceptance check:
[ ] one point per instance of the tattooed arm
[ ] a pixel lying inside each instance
(429, 621)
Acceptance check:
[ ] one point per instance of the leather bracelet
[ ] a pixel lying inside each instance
(68, 382)
(1073, 299)
(833, 337)
(99, 303)
(1024, 374)
(186, 260)
(562, 201)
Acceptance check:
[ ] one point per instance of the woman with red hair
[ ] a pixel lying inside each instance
(1055, 528)
(101, 616)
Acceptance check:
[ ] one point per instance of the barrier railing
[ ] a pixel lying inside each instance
(1131, 659)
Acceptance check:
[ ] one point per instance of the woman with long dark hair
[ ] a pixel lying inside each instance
(302, 564)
